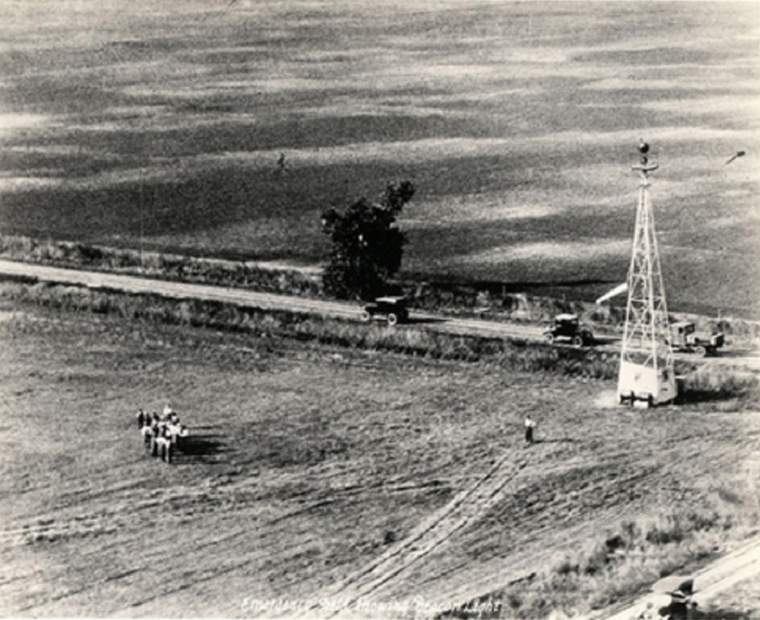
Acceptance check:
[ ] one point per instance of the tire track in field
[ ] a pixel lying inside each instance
(275, 535)
(464, 511)
(432, 533)
(272, 539)
(459, 580)
(107, 521)
(568, 493)
(161, 560)
(56, 525)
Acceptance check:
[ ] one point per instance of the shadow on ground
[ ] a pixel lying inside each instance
(558, 440)
(737, 353)
(723, 614)
(428, 320)
(693, 397)
(601, 340)
(200, 448)
(710, 613)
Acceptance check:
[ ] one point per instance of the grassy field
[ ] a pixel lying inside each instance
(307, 463)
(162, 124)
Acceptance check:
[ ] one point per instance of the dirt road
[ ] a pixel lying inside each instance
(264, 301)
(743, 564)
(335, 309)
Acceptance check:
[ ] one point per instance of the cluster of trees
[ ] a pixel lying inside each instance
(367, 246)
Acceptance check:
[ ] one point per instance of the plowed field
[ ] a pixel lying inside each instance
(151, 125)
(315, 477)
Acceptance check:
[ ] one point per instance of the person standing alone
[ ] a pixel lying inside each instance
(529, 426)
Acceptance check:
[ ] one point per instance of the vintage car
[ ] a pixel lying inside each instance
(567, 328)
(391, 309)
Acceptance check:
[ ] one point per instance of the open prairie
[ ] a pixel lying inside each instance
(338, 479)
(162, 123)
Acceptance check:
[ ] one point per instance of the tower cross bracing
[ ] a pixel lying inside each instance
(646, 360)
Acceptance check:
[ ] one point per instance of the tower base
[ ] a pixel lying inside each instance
(644, 383)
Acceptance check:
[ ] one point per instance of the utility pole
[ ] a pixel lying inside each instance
(646, 359)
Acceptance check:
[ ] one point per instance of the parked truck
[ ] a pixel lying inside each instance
(684, 339)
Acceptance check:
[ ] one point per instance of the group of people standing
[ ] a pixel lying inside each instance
(161, 433)
(147, 419)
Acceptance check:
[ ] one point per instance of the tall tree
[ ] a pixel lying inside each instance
(367, 246)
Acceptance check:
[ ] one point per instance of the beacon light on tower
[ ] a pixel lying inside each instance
(646, 359)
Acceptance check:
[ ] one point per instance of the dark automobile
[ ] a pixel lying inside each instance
(567, 328)
(391, 309)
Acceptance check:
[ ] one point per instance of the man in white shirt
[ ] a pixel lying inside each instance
(529, 426)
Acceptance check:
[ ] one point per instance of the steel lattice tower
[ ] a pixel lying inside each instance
(646, 359)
